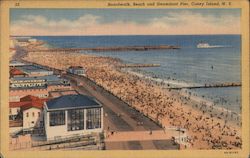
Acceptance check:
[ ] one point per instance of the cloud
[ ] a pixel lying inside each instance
(182, 22)
(187, 22)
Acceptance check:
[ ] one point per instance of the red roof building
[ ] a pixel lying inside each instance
(34, 104)
(28, 102)
(16, 73)
(29, 98)
(28, 111)
(17, 104)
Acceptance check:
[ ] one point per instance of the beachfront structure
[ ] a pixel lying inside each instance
(32, 40)
(58, 93)
(22, 44)
(14, 63)
(14, 110)
(34, 70)
(22, 38)
(12, 52)
(72, 114)
(16, 94)
(27, 82)
(32, 115)
(12, 42)
(28, 110)
(39, 81)
(24, 41)
(16, 73)
(78, 70)
(41, 92)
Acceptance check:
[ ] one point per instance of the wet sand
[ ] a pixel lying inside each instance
(168, 108)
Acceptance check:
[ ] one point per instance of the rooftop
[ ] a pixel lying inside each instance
(17, 63)
(75, 67)
(17, 104)
(28, 102)
(32, 68)
(49, 78)
(23, 39)
(43, 88)
(15, 71)
(72, 101)
(29, 98)
(33, 104)
(59, 93)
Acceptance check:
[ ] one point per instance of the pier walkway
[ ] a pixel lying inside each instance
(139, 65)
(217, 85)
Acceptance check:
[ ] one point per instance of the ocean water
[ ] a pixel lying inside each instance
(188, 65)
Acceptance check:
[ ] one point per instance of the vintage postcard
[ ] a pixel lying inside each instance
(151, 78)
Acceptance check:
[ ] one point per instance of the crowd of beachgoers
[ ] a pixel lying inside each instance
(205, 128)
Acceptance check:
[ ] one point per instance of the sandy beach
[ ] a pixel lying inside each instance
(206, 127)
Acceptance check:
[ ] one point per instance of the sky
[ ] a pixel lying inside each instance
(59, 22)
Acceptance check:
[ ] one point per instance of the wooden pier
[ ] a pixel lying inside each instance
(218, 85)
(139, 65)
(105, 49)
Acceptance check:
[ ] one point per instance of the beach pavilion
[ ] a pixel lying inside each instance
(72, 115)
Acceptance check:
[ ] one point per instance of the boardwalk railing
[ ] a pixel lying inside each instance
(65, 140)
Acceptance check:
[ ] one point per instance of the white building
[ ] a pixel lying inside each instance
(14, 110)
(28, 111)
(14, 63)
(12, 42)
(32, 116)
(32, 40)
(35, 70)
(27, 82)
(22, 44)
(72, 114)
(78, 70)
(39, 81)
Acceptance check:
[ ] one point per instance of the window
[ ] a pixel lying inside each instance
(38, 114)
(57, 118)
(27, 114)
(41, 123)
(75, 119)
(33, 114)
(93, 118)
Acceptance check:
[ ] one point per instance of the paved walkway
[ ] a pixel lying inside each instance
(140, 135)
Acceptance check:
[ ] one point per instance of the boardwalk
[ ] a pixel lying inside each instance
(119, 117)
(142, 135)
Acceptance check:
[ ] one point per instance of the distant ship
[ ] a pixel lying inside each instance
(206, 45)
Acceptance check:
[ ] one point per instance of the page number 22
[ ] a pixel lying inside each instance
(17, 4)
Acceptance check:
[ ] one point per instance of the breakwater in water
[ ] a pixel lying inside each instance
(104, 49)
(139, 65)
(218, 85)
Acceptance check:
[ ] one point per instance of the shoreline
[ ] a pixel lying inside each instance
(174, 83)
(171, 111)
(210, 104)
